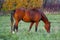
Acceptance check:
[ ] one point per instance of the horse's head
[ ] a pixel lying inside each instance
(47, 27)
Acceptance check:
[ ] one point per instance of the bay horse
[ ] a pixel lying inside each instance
(29, 15)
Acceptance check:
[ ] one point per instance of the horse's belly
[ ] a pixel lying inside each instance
(26, 19)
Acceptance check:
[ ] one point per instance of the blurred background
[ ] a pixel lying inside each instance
(47, 5)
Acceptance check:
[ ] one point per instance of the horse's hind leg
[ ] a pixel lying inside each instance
(31, 25)
(12, 22)
(16, 26)
(36, 26)
(11, 26)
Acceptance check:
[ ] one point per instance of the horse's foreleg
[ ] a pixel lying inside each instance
(36, 26)
(31, 25)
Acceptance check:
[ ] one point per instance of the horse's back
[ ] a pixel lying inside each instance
(32, 15)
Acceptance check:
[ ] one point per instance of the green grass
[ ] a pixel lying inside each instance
(23, 33)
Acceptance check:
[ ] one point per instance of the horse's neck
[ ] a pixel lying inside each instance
(44, 19)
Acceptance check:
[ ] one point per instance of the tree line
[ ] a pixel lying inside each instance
(49, 5)
(13, 4)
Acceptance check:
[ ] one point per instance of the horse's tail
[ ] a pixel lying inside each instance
(12, 20)
(12, 13)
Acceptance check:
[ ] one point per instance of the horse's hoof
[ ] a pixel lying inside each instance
(16, 31)
(35, 30)
(13, 32)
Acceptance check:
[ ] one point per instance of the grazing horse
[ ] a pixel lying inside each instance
(29, 15)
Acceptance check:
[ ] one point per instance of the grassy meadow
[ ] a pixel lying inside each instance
(23, 33)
